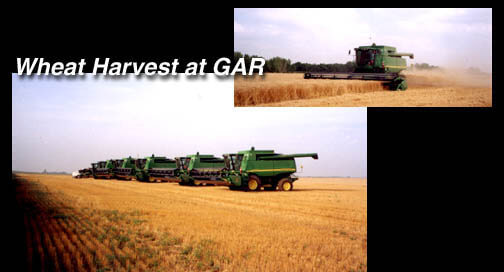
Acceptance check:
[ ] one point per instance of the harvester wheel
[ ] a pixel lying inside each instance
(285, 184)
(253, 184)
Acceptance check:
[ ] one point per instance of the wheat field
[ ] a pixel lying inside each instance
(97, 225)
(426, 89)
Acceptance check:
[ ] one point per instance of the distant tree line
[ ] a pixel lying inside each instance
(424, 66)
(281, 65)
(322, 67)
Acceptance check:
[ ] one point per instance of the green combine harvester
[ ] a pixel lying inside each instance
(375, 62)
(104, 169)
(127, 169)
(164, 170)
(200, 170)
(83, 173)
(252, 169)
(154, 169)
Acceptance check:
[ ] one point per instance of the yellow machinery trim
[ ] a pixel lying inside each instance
(391, 66)
(272, 170)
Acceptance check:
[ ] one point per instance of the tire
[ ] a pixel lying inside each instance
(285, 184)
(186, 183)
(253, 184)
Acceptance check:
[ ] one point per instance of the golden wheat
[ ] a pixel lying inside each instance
(426, 88)
(283, 87)
(321, 225)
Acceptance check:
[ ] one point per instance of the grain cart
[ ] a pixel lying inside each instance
(252, 169)
(375, 62)
(156, 169)
(200, 170)
(105, 169)
(127, 169)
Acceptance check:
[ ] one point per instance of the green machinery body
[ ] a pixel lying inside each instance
(200, 169)
(127, 169)
(264, 168)
(375, 62)
(156, 169)
(104, 169)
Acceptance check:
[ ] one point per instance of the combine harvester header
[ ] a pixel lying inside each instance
(375, 62)
(201, 169)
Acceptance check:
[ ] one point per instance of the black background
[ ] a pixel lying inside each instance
(431, 171)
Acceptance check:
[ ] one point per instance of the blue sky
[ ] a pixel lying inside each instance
(63, 124)
(442, 37)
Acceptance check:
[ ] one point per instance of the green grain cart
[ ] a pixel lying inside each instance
(200, 170)
(252, 169)
(375, 62)
(155, 169)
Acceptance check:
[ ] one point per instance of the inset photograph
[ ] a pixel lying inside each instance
(365, 57)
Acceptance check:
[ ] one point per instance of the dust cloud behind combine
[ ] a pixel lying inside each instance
(447, 78)
(427, 88)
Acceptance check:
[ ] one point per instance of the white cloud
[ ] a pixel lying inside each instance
(322, 23)
(290, 32)
(441, 20)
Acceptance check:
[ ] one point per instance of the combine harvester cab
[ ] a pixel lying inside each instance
(127, 169)
(375, 62)
(154, 169)
(252, 169)
(201, 170)
(105, 169)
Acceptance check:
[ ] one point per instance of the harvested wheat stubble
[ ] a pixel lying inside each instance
(273, 88)
(135, 226)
